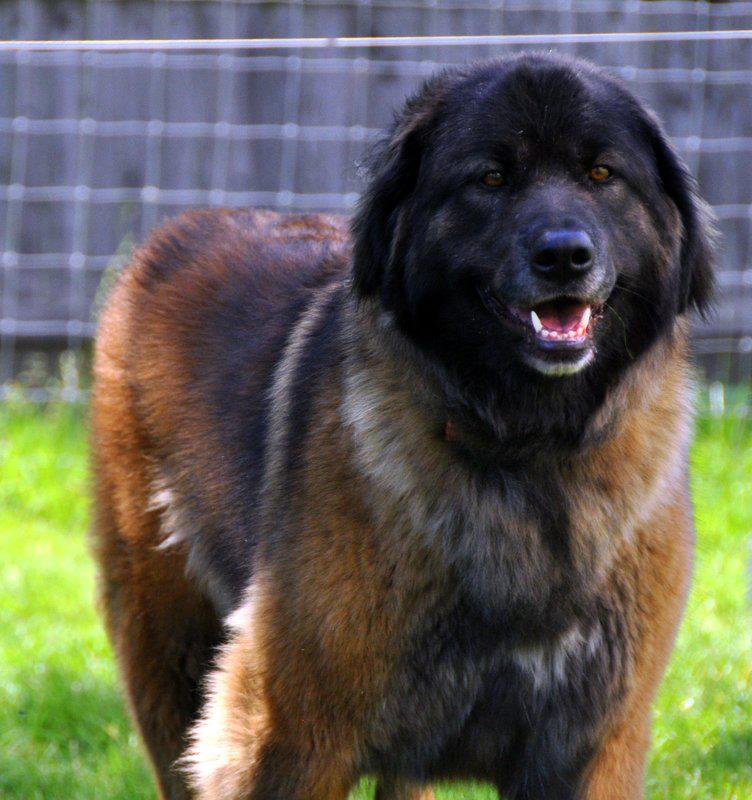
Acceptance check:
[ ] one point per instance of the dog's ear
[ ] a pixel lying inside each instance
(698, 233)
(393, 170)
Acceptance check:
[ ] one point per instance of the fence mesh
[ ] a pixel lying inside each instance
(96, 148)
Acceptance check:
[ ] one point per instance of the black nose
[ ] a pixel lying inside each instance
(562, 254)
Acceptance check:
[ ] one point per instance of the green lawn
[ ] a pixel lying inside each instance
(63, 732)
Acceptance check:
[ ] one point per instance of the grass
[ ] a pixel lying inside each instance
(63, 731)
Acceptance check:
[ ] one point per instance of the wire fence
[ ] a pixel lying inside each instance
(97, 146)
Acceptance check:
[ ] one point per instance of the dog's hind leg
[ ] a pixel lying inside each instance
(388, 789)
(162, 630)
(164, 635)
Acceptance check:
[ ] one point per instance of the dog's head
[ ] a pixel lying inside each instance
(527, 220)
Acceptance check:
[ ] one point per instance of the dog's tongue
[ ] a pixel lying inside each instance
(561, 317)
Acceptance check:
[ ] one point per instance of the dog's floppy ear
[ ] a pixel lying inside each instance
(698, 233)
(393, 168)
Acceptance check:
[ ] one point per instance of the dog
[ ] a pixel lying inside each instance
(407, 497)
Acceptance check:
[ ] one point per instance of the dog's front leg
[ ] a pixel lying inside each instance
(249, 743)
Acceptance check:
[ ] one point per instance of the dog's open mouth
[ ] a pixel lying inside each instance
(564, 323)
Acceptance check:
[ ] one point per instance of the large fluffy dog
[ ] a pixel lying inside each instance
(411, 501)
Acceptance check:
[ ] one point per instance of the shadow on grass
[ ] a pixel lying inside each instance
(58, 704)
(732, 753)
(66, 735)
(725, 766)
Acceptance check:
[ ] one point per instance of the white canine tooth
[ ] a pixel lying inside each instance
(585, 320)
(535, 319)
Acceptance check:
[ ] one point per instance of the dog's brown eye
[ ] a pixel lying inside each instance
(493, 179)
(599, 173)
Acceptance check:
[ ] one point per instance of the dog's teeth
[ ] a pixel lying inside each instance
(585, 321)
(535, 319)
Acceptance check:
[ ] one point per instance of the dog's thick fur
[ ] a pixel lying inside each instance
(346, 526)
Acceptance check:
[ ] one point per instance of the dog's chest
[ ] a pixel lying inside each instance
(466, 702)
(519, 660)
(530, 544)
(529, 552)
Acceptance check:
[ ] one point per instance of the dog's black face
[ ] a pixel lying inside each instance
(528, 222)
